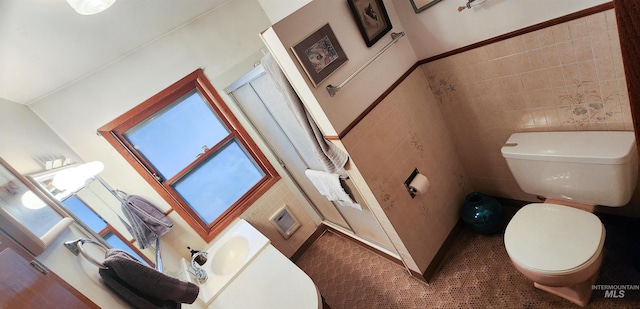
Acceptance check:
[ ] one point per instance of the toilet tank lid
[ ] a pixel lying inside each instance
(601, 147)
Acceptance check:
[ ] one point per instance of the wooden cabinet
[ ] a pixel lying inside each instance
(25, 283)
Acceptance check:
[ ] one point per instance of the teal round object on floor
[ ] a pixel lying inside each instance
(483, 214)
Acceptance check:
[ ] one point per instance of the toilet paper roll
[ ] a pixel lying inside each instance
(420, 184)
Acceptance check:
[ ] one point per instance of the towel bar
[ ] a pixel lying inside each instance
(75, 246)
(334, 89)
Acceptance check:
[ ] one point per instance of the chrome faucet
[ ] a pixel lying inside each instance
(201, 274)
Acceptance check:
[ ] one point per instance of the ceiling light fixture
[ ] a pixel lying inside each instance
(90, 7)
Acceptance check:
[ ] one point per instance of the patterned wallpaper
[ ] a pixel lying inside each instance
(404, 131)
(564, 77)
(451, 118)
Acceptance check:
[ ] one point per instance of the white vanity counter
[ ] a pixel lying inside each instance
(270, 281)
(245, 271)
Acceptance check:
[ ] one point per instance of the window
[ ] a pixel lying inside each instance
(189, 146)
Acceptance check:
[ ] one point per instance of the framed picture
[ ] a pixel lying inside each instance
(320, 54)
(421, 5)
(372, 19)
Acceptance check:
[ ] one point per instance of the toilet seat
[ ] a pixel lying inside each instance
(553, 239)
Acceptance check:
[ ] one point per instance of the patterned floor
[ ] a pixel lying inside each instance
(476, 273)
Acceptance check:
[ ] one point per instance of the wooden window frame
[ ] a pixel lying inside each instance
(114, 131)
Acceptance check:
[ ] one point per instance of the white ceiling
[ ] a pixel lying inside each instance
(45, 45)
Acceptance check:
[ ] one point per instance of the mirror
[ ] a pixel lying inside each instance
(26, 214)
(95, 207)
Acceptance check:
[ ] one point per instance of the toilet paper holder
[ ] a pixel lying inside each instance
(407, 182)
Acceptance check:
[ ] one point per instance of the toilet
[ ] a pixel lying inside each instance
(559, 244)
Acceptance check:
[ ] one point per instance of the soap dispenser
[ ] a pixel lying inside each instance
(200, 258)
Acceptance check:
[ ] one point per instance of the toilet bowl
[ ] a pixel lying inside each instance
(560, 247)
(557, 247)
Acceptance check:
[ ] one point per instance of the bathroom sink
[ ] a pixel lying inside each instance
(230, 256)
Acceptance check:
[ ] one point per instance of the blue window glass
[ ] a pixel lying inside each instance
(84, 213)
(115, 242)
(173, 137)
(219, 181)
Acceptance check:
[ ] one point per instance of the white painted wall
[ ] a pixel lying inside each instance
(18, 124)
(276, 10)
(97, 99)
(442, 28)
(356, 96)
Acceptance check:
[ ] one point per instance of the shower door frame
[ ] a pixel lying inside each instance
(347, 227)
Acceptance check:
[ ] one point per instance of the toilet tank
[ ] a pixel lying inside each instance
(591, 167)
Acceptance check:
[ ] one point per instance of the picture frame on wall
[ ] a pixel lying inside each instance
(421, 5)
(372, 19)
(320, 54)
